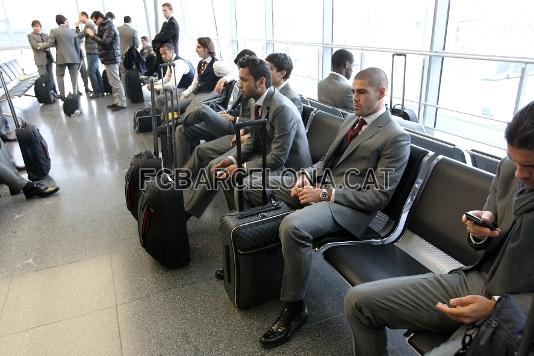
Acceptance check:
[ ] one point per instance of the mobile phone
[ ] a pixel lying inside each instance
(478, 221)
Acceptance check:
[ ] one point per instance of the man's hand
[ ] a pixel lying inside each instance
(477, 230)
(302, 181)
(224, 169)
(220, 85)
(222, 164)
(243, 137)
(227, 116)
(468, 309)
(90, 32)
(309, 194)
(149, 86)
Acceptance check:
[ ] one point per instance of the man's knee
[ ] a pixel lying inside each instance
(289, 229)
(358, 298)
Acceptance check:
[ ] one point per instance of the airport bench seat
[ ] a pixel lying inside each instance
(17, 82)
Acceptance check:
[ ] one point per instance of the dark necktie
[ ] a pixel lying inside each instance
(353, 132)
(203, 67)
(257, 111)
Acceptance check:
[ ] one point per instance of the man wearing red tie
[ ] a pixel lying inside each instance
(368, 144)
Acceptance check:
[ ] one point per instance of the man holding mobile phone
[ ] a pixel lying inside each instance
(418, 302)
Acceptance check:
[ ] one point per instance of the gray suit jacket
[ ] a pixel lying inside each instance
(383, 148)
(38, 56)
(66, 43)
(336, 91)
(292, 95)
(128, 37)
(287, 144)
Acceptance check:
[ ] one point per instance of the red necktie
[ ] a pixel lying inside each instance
(353, 132)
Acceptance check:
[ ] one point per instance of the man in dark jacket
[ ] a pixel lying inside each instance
(109, 52)
(169, 33)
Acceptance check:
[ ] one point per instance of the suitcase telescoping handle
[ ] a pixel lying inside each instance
(262, 133)
(9, 102)
(154, 120)
(171, 127)
(393, 56)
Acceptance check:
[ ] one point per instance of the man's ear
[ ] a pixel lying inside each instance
(261, 82)
(381, 92)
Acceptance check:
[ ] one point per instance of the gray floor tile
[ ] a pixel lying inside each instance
(90, 334)
(56, 294)
(4, 287)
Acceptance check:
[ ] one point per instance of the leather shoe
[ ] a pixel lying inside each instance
(88, 91)
(219, 274)
(96, 95)
(32, 190)
(285, 326)
(20, 168)
(118, 108)
(8, 138)
(111, 106)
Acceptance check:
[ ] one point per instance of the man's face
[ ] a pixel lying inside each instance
(348, 72)
(83, 19)
(524, 165)
(201, 51)
(97, 21)
(366, 99)
(144, 42)
(277, 77)
(36, 29)
(166, 54)
(166, 12)
(248, 85)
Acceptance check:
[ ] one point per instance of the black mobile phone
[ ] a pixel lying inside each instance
(479, 221)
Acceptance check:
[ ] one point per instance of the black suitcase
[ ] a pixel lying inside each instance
(32, 145)
(71, 104)
(43, 91)
(399, 109)
(105, 82)
(132, 86)
(143, 166)
(253, 262)
(143, 120)
(161, 222)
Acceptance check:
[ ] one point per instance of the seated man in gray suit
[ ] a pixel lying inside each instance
(368, 144)
(417, 302)
(281, 68)
(335, 89)
(286, 142)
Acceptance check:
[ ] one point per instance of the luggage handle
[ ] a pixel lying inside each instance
(154, 120)
(171, 146)
(9, 102)
(393, 56)
(263, 133)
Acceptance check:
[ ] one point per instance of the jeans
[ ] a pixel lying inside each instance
(94, 73)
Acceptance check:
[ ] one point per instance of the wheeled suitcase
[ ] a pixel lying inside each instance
(143, 166)
(143, 120)
(161, 221)
(71, 104)
(400, 110)
(132, 86)
(32, 145)
(252, 256)
(43, 91)
(105, 81)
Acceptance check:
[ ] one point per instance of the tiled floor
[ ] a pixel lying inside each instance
(75, 281)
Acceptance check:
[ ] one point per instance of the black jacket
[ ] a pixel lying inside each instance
(169, 33)
(108, 43)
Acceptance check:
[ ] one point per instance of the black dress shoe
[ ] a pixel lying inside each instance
(118, 108)
(285, 326)
(111, 106)
(32, 190)
(219, 274)
(88, 91)
(20, 168)
(8, 138)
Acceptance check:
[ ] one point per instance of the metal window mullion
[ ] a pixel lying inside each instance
(521, 87)
(269, 27)
(328, 37)
(234, 42)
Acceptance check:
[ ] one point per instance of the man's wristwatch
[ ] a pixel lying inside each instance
(324, 195)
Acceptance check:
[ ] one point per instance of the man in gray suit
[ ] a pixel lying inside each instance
(43, 59)
(67, 53)
(287, 145)
(335, 89)
(337, 193)
(128, 37)
(281, 68)
(417, 302)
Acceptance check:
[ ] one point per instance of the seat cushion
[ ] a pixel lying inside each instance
(424, 341)
(365, 263)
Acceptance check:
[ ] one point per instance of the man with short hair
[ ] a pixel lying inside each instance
(128, 37)
(335, 89)
(43, 58)
(281, 68)
(452, 301)
(91, 51)
(146, 48)
(169, 33)
(332, 195)
(67, 53)
(109, 52)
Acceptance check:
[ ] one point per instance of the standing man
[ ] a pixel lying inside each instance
(335, 89)
(67, 52)
(91, 51)
(281, 68)
(128, 37)
(369, 142)
(169, 33)
(109, 52)
(43, 59)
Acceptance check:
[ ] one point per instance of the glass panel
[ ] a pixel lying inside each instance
(528, 93)
(491, 27)
(250, 17)
(297, 21)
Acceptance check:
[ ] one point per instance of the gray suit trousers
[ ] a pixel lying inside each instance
(8, 172)
(407, 303)
(73, 72)
(203, 154)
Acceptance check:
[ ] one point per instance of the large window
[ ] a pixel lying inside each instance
(298, 21)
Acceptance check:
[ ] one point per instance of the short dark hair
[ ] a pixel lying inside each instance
(375, 76)
(168, 46)
(144, 38)
(208, 44)
(258, 68)
(127, 19)
(243, 53)
(83, 13)
(340, 57)
(519, 132)
(110, 15)
(167, 5)
(60, 19)
(281, 61)
(97, 15)
(36, 22)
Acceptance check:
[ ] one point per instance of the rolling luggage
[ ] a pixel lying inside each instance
(132, 86)
(43, 91)
(71, 104)
(399, 109)
(161, 221)
(105, 81)
(32, 145)
(143, 120)
(252, 256)
(143, 166)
